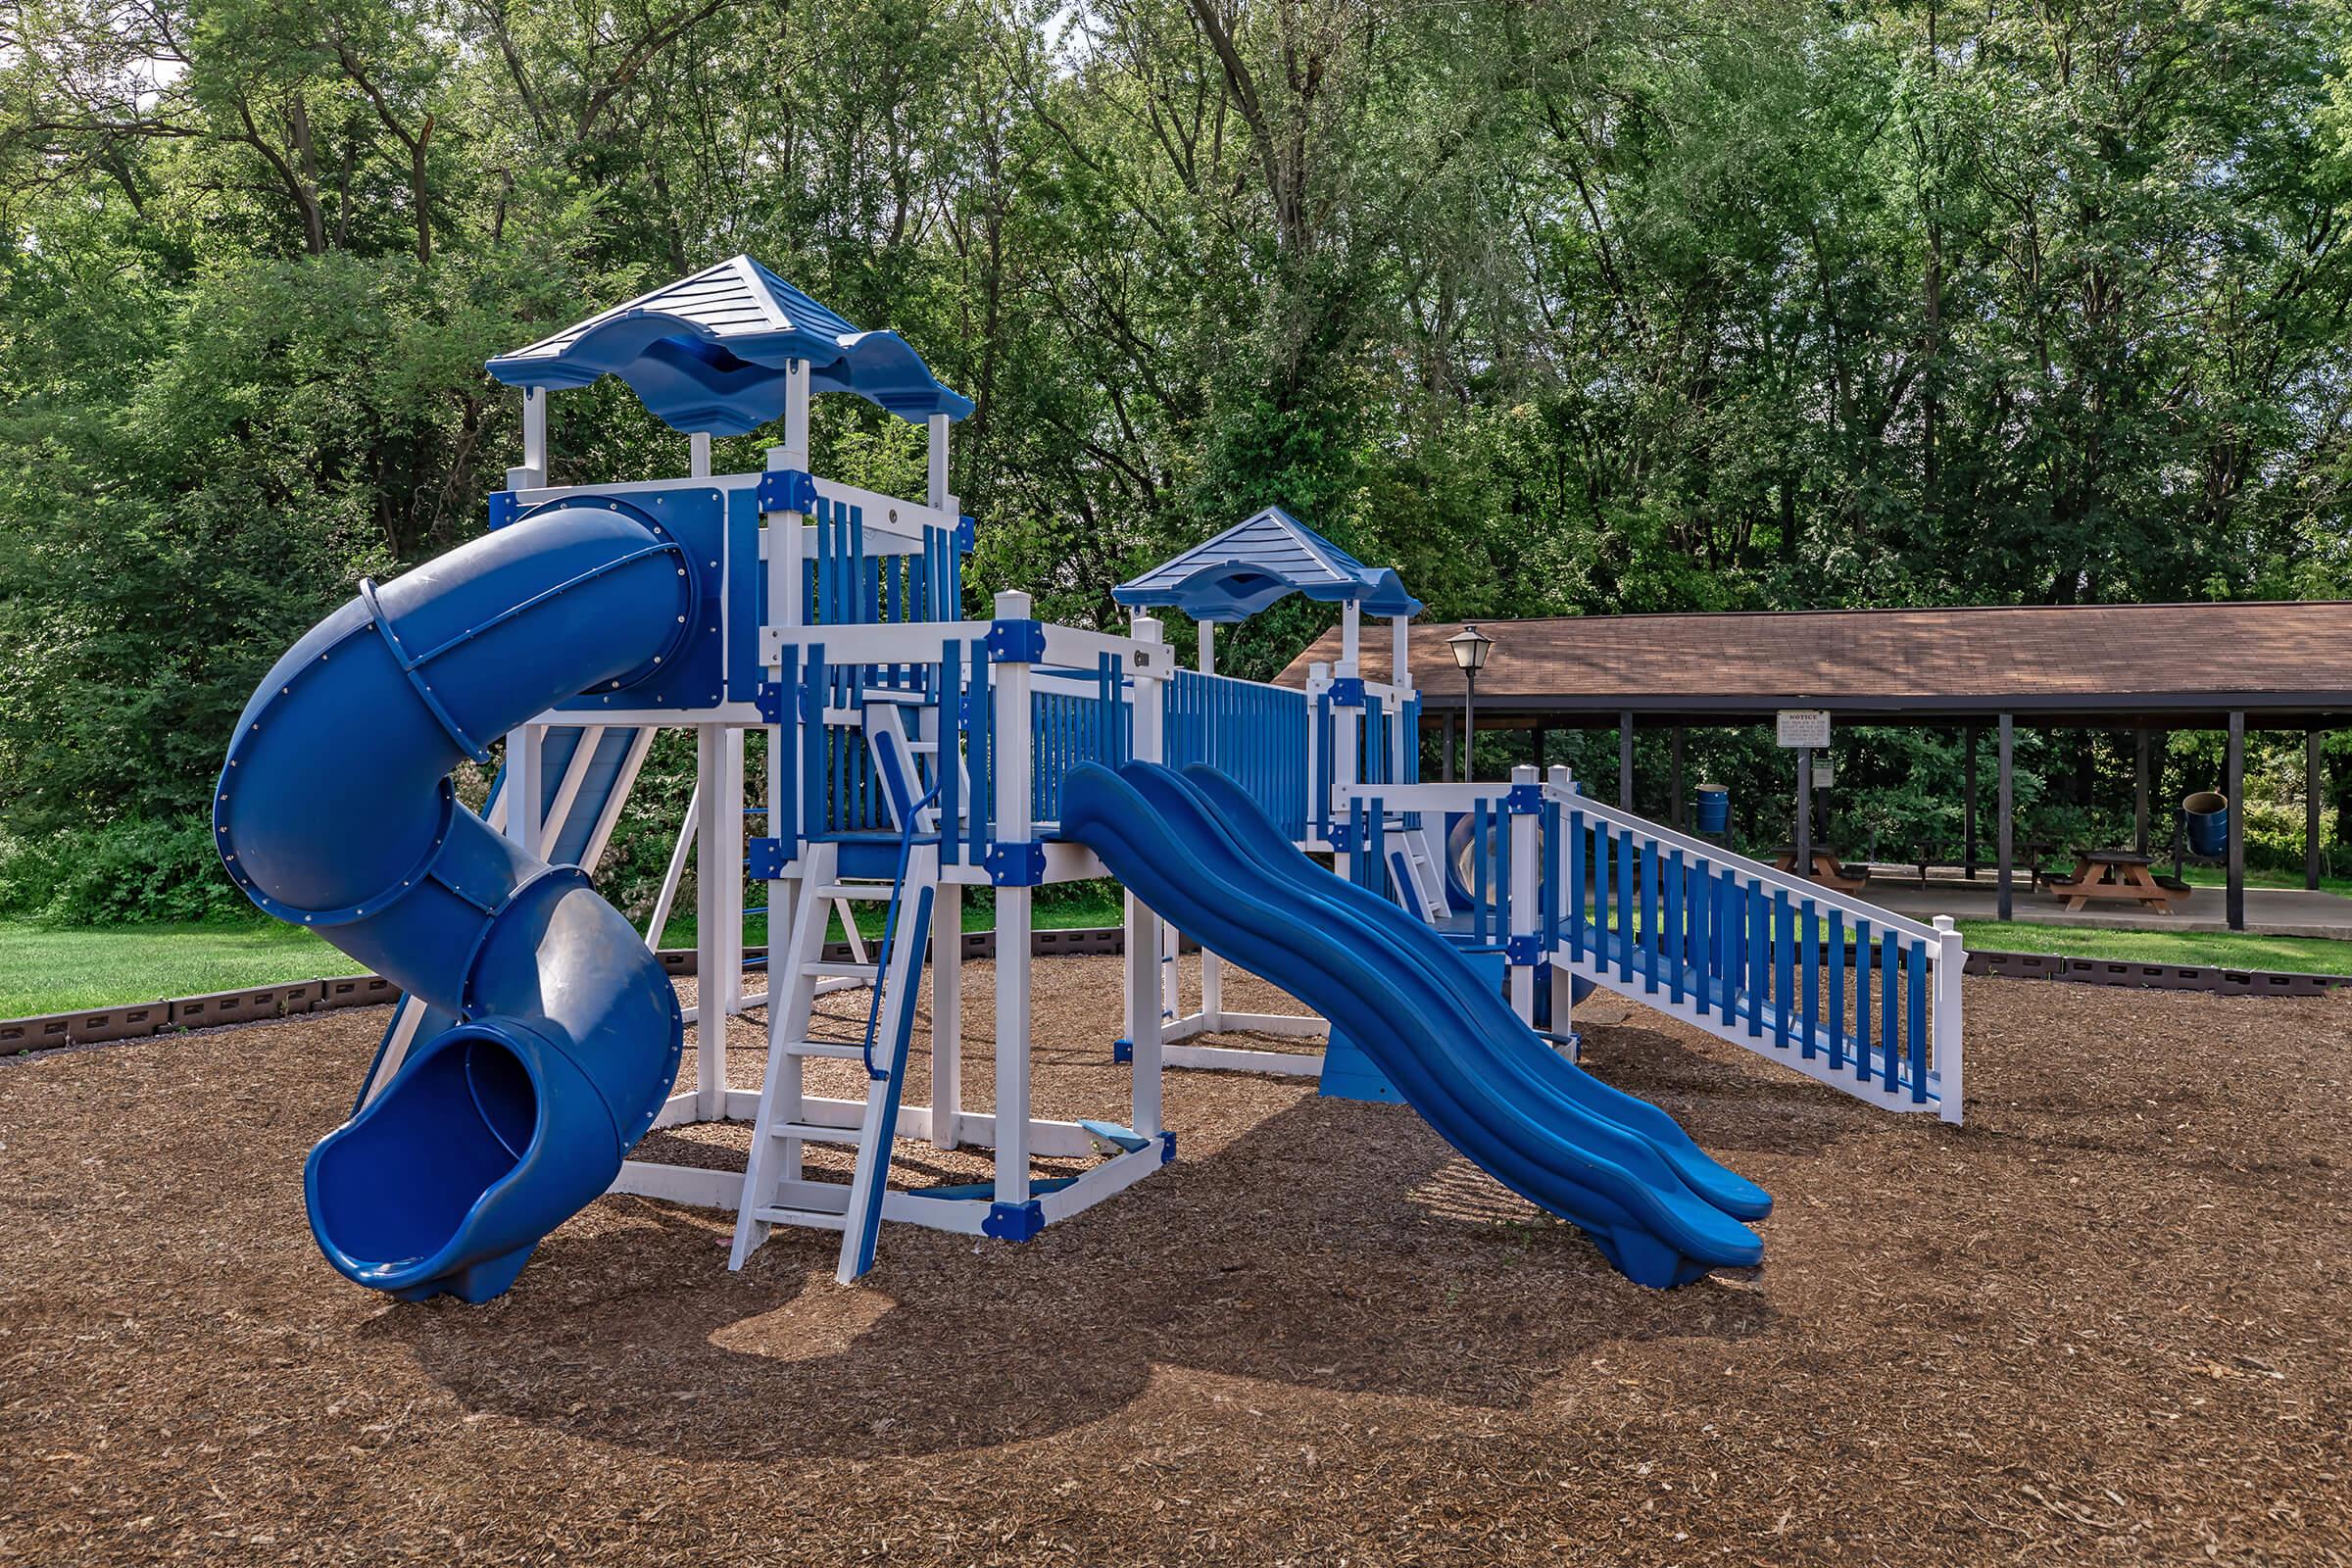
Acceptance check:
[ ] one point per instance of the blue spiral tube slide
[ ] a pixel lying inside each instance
(1175, 849)
(335, 812)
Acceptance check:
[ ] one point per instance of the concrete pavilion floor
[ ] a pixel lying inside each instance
(2270, 912)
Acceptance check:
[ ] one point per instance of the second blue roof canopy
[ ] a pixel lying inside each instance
(1258, 562)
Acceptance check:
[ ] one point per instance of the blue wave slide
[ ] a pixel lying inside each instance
(335, 812)
(1202, 854)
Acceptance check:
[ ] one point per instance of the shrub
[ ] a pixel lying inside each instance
(128, 872)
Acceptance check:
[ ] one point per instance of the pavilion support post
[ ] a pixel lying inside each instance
(2006, 798)
(2139, 793)
(1674, 805)
(2234, 786)
(1542, 739)
(1968, 802)
(1449, 750)
(1625, 760)
(1804, 812)
(2312, 775)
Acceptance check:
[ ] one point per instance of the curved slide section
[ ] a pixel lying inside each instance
(1161, 836)
(1542, 1072)
(335, 812)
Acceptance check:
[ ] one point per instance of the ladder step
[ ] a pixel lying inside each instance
(837, 1050)
(813, 1132)
(870, 892)
(841, 968)
(815, 1218)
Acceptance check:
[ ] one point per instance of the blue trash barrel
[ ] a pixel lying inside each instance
(1714, 809)
(2207, 815)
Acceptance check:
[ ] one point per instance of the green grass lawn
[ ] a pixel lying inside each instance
(76, 968)
(2229, 949)
(67, 970)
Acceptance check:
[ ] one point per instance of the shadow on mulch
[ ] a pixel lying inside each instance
(1265, 1261)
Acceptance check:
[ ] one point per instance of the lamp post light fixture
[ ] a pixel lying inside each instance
(1470, 648)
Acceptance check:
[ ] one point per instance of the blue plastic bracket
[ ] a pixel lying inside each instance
(1340, 836)
(1122, 1051)
(1015, 866)
(1016, 642)
(1167, 1146)
(768, 860)
(770, 700)
(968, 532)
(1014, 1222)
(788, 490)
(1524, 799)
(1347, 692)
(505, 507)
(1526, 951)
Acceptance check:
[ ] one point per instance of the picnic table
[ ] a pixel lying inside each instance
(2116, 876)
(1827, 870)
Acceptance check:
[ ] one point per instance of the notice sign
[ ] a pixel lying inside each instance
(1805, 726)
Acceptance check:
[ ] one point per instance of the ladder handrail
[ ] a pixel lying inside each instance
(907, 837)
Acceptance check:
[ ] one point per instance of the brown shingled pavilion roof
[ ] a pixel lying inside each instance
(2184, 664)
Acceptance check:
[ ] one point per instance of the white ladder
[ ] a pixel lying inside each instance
(775, 1189)
(1420, 879)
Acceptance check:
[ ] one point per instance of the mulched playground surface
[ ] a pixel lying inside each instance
(2105, 1322)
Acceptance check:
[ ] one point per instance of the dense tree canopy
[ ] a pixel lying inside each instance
(1557, 305)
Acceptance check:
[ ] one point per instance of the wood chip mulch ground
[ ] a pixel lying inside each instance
(2106, 1322)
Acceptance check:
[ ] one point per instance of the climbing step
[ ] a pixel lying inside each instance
(812, 1132)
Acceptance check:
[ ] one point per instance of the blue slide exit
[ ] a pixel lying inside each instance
(335, 812)
(1621, 1169)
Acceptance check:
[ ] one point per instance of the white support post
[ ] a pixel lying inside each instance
(1352, 636)
(525, 788)
(718, 908)
(698, 455)
(1519, 921)
(1207, 643)
(1144, 1031)
(936, 468)
(534, 473)
(1951, 962)
(1013, 830)
(1318, 681)
(947, 1009)
(784, 576)
(1346, 749)
(1400, 675)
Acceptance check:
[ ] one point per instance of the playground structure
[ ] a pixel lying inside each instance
(910, 753)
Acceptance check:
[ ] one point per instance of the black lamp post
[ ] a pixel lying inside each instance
(1470, 648)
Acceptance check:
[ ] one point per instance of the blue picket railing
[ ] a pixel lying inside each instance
(1777, 965)
(1070, 727)
(835, 789)
(1255, 735)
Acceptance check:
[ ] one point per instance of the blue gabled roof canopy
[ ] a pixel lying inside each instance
(708, 354)
(1254, 564)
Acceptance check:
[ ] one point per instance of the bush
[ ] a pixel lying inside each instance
(125, 872)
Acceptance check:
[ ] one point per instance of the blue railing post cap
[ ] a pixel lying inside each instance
(1016, 642)
(788, 490)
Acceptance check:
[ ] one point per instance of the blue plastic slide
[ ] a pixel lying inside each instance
(335, 812)
(1659, 1209)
